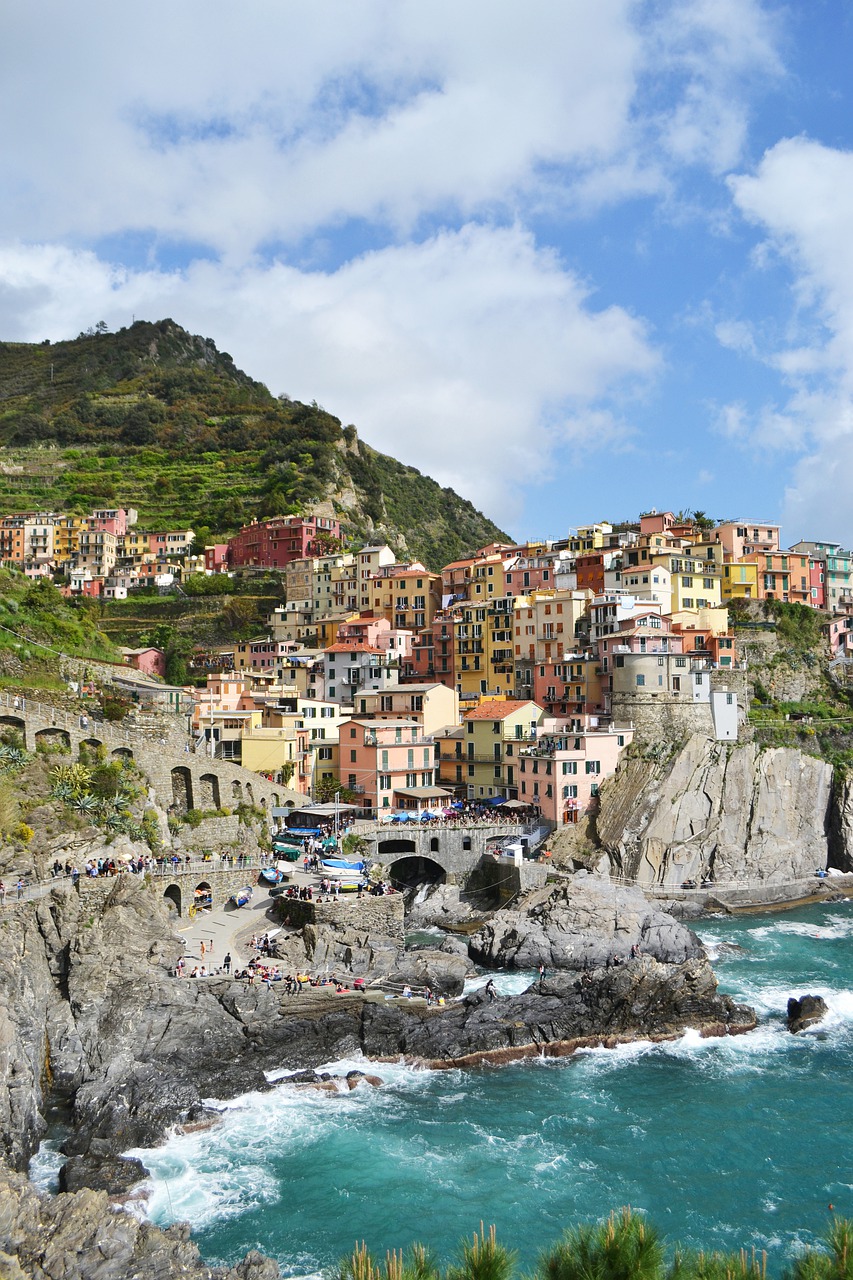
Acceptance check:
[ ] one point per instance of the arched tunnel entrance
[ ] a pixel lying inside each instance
(172, 894)
(415, 869)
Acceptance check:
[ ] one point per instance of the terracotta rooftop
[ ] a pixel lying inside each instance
(497, 710)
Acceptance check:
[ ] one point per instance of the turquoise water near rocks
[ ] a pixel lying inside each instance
(739, 1141)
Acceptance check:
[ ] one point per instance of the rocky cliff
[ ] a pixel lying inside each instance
(582, 924)
(90, 1009)
(732, 813)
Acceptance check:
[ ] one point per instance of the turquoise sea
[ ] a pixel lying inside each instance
(739, 1141)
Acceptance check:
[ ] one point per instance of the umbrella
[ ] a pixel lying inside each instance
(498, 800)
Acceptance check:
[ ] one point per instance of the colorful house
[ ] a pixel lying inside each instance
(495, 732)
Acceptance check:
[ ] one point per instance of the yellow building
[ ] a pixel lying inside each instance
(696, 581)
(740, 581)
(495, 732)
(408, 595)
(592, 537)
(544, 623)
(433, 706)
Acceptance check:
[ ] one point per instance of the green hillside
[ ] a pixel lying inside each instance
(155, 418)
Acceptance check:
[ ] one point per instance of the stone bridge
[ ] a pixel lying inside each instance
(180, 779)
(442, 852)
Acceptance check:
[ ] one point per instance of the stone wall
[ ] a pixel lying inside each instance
(181, 885)
(179, 778)
(382, 916)
(665, 715)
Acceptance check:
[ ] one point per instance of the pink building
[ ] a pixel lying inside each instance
(389, 764)
(151, 661)
(378, 633)
(562, 772)
(216, 557)
(223, 692)
(741, 538)
(115, 520)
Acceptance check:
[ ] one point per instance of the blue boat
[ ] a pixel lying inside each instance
(341, 864)
(242, 896)
(272, 875)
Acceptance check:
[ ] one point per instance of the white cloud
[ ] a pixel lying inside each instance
(801, 195)
(239, 126)
(470, 355)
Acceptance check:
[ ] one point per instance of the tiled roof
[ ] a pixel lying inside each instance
(497, 710)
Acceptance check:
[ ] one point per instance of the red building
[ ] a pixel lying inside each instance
(817, 581)
(272, 544)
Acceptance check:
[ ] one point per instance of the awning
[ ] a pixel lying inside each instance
(422, 793)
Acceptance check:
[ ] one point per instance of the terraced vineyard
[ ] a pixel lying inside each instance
(157, 419)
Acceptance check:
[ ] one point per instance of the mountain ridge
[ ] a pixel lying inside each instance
(159, 419)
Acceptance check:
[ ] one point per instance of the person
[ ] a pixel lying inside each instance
(491, 990)
(541, 973)
(2, 894)
(226, 963)
(210, 946)
(202, 950)
(20, 888)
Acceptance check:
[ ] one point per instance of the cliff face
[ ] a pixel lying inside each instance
(88, 1004)
(735, 813)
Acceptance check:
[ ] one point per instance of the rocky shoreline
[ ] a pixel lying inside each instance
(91, 1012)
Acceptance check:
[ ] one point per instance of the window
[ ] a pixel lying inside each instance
(593, 766)
(641, 680)
(570, 793)
(384, 782)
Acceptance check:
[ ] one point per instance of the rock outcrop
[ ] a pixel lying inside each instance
(92, 1009)
(729, 812)
(805, 1012)
(78, 1236)
(583, 923)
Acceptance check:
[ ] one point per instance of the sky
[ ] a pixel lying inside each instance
(576, 260)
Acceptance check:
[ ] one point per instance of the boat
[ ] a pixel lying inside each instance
(272, 875)
(242, 896)
(290, 852)
(341, 873)
(342, 863)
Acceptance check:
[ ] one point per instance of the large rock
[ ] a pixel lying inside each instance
(90, 997)
(79, 1236)
(579, 924)
(734, 813)
(805, 1012)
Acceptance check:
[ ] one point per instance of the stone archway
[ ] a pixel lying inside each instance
(250, 795)
(13, 722)
(54, 737)
(172, 894)
(90, 744)
(182, 789)
(122, 753)
(208, 785)
(202, 895)
(237, 792)
(416, 870)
